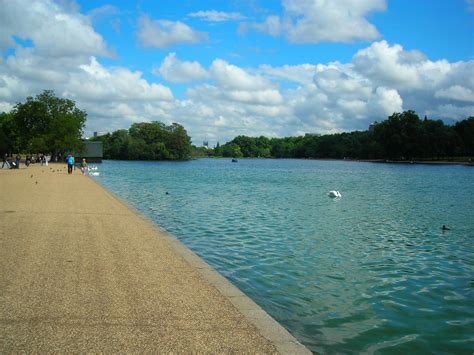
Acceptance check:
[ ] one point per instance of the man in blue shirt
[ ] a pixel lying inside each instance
(70, 163)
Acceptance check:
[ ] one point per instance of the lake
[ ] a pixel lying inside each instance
(370, 272)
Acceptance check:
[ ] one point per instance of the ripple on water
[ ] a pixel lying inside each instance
(371, 272)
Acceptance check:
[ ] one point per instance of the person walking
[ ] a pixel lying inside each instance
(83, 166)
(17, 160)
(70, 163)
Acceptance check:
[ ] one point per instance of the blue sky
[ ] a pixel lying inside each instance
(274, 68)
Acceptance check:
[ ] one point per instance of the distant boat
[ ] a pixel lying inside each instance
(234, 160)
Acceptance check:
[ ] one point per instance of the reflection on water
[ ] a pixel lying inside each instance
(370, 272)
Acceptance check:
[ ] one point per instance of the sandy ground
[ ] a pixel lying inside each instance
(81, 272)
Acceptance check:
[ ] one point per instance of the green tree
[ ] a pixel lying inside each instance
(8, 134)
(231, 150)
(47, 123)
(117, 147)
(465, 131)
(178, 142)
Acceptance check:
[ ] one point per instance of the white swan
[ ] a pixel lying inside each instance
(334, 194)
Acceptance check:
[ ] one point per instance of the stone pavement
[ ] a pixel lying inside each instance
(82, 272)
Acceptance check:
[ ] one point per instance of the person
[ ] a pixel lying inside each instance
(83, 166)
(70, 163)
(28, 160)
(5, 161)
(17, 160)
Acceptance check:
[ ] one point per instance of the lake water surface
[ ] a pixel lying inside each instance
(370, 272)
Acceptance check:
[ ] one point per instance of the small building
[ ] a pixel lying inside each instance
(99, 134)
(93, 152)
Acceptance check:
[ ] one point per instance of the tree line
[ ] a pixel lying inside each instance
(402, 136)
(51, 125)
(48, 124)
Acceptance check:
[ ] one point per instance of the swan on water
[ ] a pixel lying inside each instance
(334, 194)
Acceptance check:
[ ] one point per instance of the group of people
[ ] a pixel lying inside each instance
(43, 159)
(10, 164)
(70, 159)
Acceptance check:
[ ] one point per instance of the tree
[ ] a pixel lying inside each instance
(8, 141)
(465, 131)
(178, 142)
(148, 141)
(47, 123)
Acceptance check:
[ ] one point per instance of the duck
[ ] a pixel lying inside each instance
(334, 194)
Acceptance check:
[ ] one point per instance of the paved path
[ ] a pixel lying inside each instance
(82, 272)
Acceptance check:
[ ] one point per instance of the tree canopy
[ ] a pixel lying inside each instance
(45, 123)
(402, 136)
(147, 141)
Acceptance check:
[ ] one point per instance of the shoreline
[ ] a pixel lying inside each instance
(421, 162)
(121, 284)
(379, 161)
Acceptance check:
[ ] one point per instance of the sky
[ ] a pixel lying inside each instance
(236, 67)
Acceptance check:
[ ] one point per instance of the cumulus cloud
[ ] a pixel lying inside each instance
(63, 56)
(52, 29)
(176, 71)
(217, 16)
(423, 84)
(271, 26)
(232, 77)
(106, 84)
(227, 100)
(456, 92)
(314, 21)
(300, 74)
(164, 33)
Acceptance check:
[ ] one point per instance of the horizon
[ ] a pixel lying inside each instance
(260, 68)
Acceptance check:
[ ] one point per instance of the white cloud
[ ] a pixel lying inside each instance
(423, 84)
(456, 92)
(264, 100)
(301, 74)
(100, 84)
(164, 33)
(232, 77)
(102, 11)
(271, 25)
(217, 16)
(385, 102)
(176, 71)
(52, 30)
(264, 97)
(314, 21)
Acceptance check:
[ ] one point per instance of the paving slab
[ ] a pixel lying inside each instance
(83, 272)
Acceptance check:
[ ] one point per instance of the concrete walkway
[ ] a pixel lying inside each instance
(82, 272)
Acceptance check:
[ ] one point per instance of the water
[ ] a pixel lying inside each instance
(371, 272)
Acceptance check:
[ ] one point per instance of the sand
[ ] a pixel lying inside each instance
(82, 272)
